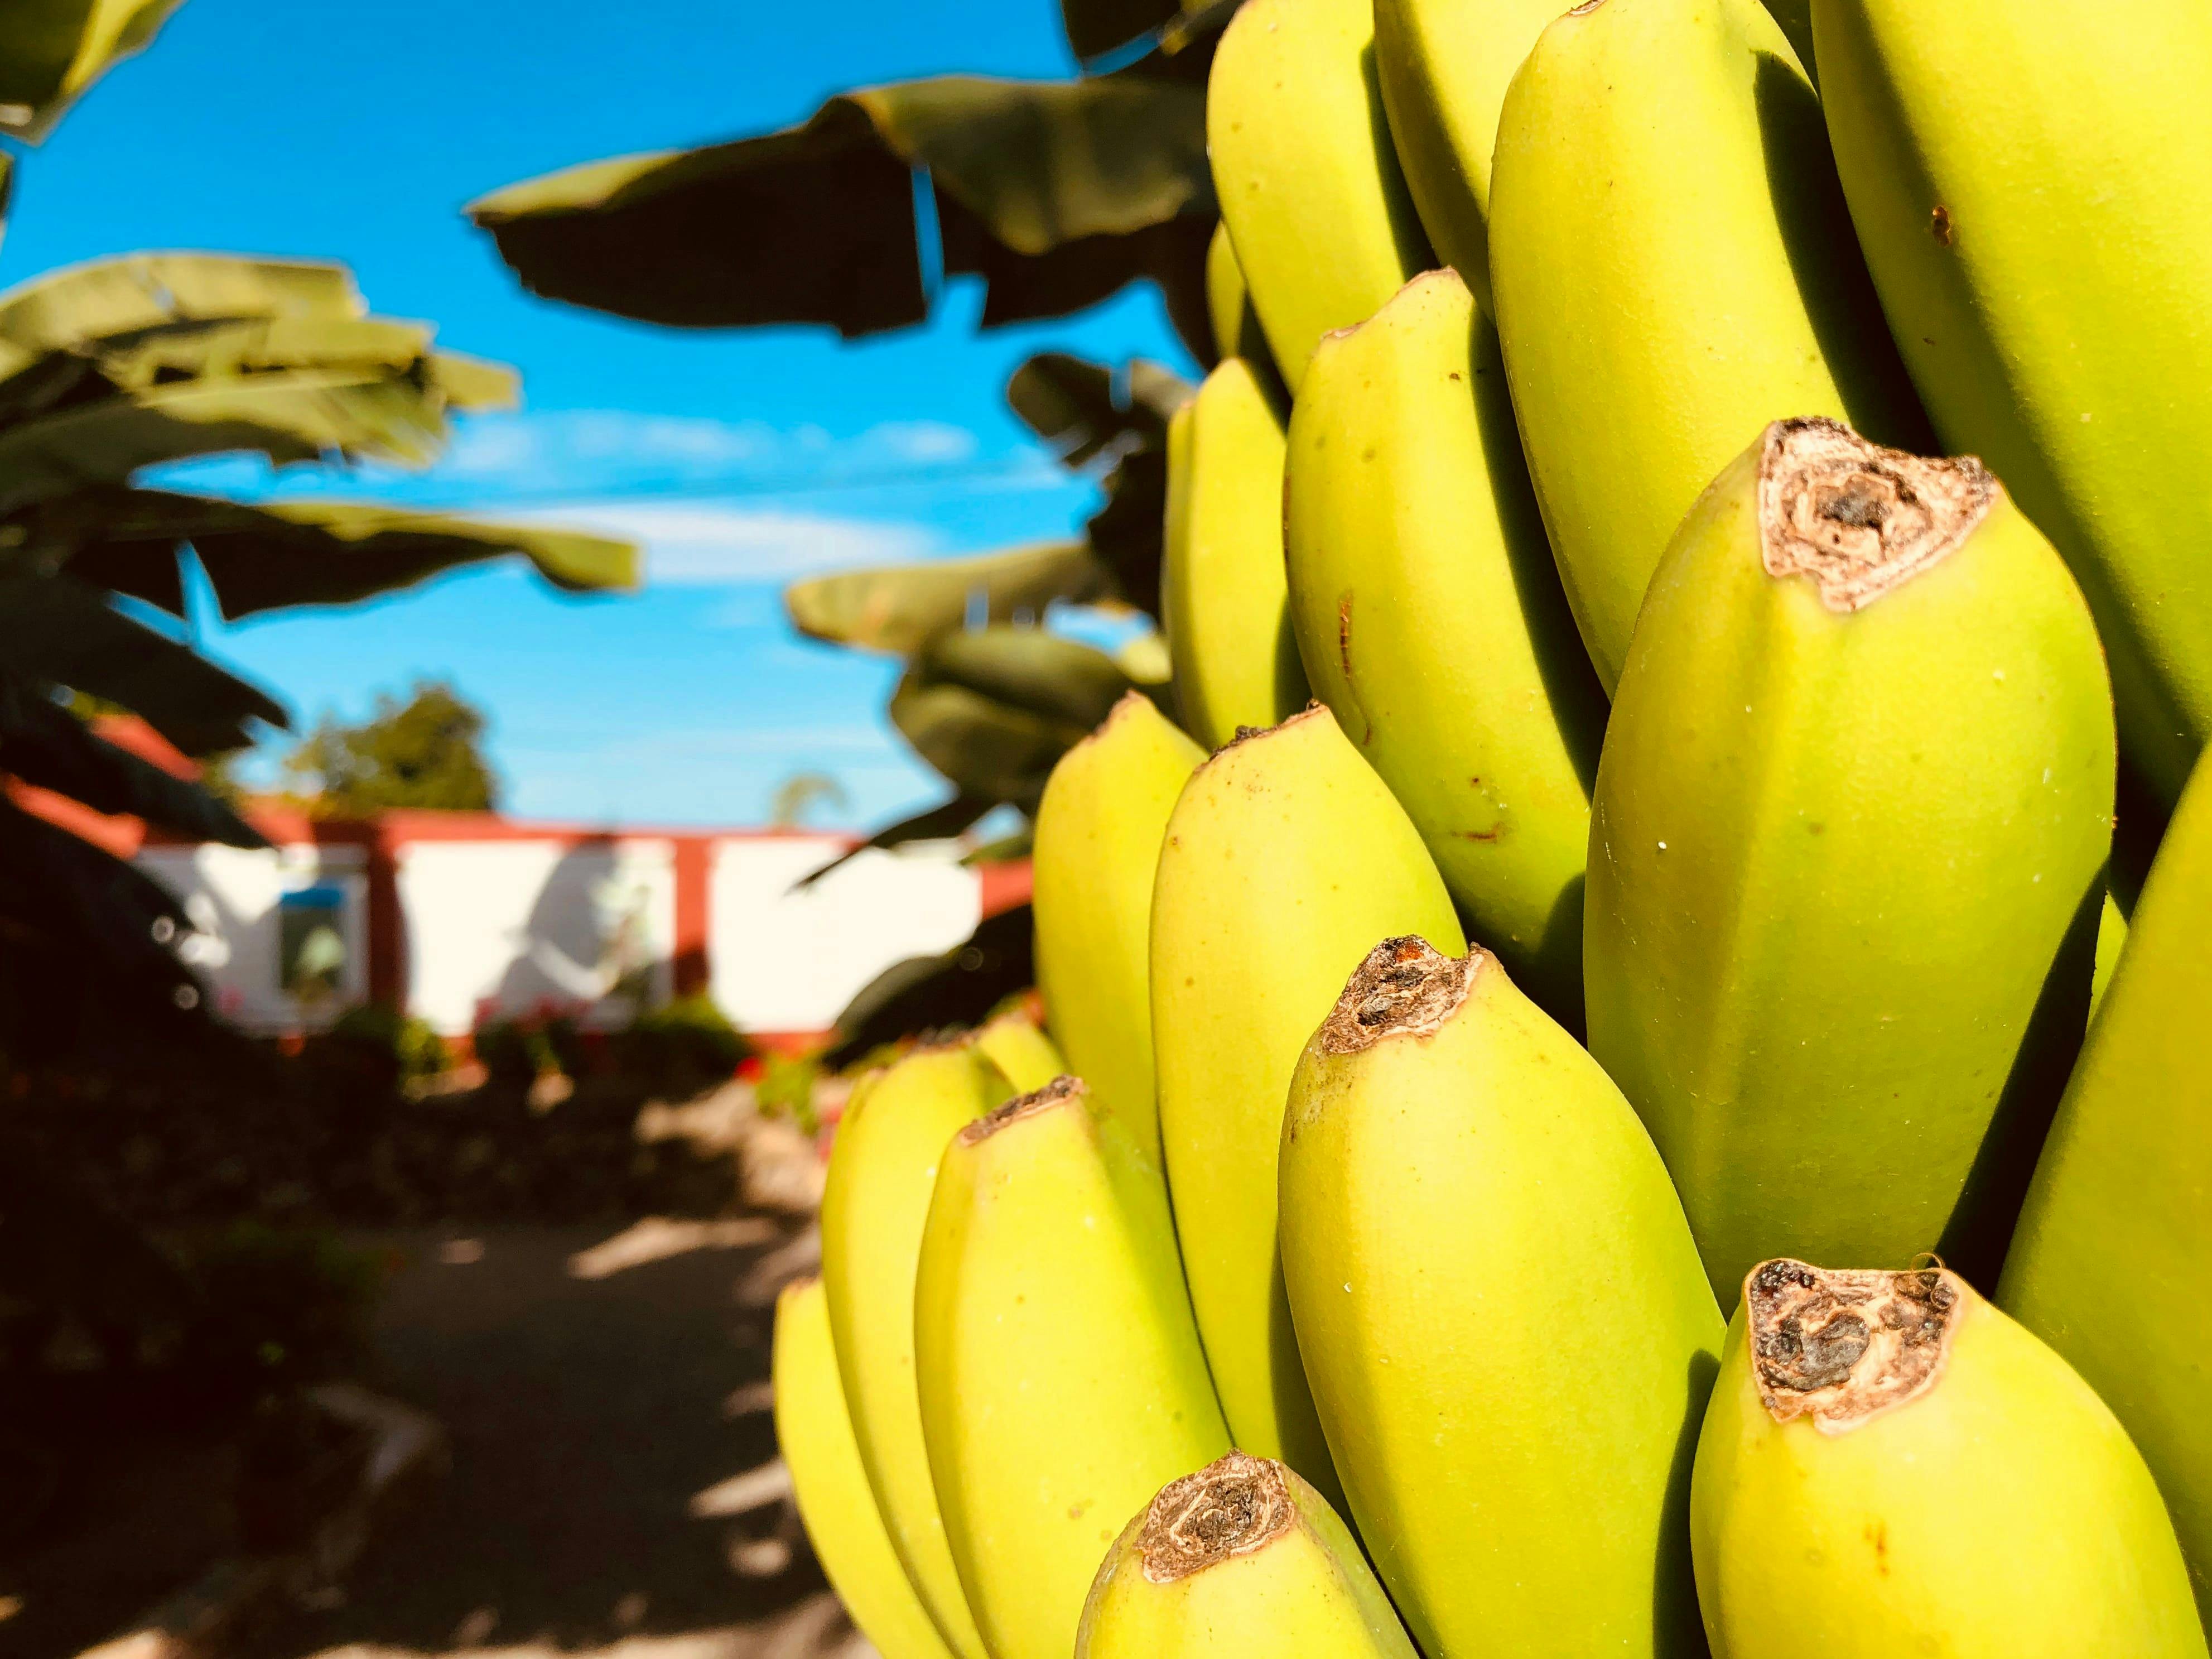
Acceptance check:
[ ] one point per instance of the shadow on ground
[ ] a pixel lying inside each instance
(615, 1483)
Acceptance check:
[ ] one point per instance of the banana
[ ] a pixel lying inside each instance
(1674, 268)
(1222, 591)
(1503, 1317)
(1309, 188)
(1241, 1558)
(1847, 855)
(1061, 1379)
(1285, 859)
(815, 1434)
(1236, 332)
(1024, 1055)
(2112, 939)
(1429, 615)
(1443, 66)
(874, 1203)
(1890, 1465)
(1098, 833)
(2115, 1243)
(2033, 184)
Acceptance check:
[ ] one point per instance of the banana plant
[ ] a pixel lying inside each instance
(112, 368)
(51, 51)
(1055, 194)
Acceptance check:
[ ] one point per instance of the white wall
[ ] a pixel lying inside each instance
(786, 961)
(232, 894)
(516, 923)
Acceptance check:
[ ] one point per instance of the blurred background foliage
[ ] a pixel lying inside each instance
(1053, 194)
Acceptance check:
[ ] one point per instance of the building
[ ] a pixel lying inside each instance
(459, 916)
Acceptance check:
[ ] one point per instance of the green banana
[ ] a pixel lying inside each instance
(1285, 859)
(1061, 1379)
(1452, 1163)
(2115, 1243)
(1236, 332)
(1794, 18)
(1310, 187)
(1242, 1557)
(1221, 593)
(1890, 1465)
(815, 1434)
(2112, 939)
(1673, 268)
(874, 1203)
(1443, 66)
(1098, 833)
(1429, 615)
(2032, 183)
(1024, 1055)
(1847, 855)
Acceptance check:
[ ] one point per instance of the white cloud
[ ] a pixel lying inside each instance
(565, 453)
(726, 543)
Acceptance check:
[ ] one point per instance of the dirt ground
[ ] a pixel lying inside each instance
(615, 1487)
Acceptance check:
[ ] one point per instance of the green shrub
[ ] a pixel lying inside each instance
(683, 1047)
(417, 1050)
(516, 1050)
(786, 1089)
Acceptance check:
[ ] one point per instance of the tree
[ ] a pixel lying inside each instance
(425, 753)
(112, 367)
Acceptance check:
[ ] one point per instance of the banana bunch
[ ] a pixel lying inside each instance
(1648, 1118)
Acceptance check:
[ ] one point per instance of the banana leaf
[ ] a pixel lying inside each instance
(52, 50)
(993, 710)
(1095, 27)
(1076, 407)
(67, 310)
(932, 823)
(1127, 534)
(55, 629)
(1041, 673)
(899, 607)
(929, 994)
(816, 223)
(68, 904)
(979, 744)
(299, 415)
(43, 743)
(276, 555)
(1080, 409)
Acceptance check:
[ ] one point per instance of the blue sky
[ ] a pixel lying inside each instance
(742, 458)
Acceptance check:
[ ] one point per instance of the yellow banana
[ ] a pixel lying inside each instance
(1222, 592)
(1098, 832)
(882, 1167)
(1242, 1557)
(1847, 855)
(1673, 268)
(1890, 1465)
(2114, 1247)
(1236, 332)
(1443, 66)
(1429, 614)
(1310, 187)
(815, 1434)
(1024, 1055)
(1503, 1317)
(1285, 859)
(2032, 183)
(1061, 1379)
